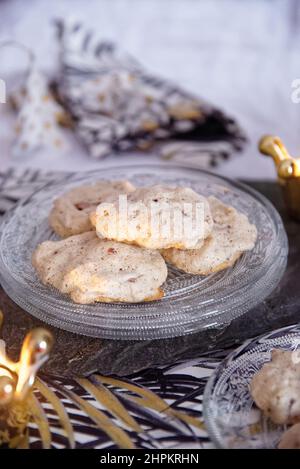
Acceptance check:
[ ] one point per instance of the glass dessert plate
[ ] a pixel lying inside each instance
(191, 302)
(231, 417)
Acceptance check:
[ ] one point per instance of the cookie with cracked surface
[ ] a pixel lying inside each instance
(90, 270)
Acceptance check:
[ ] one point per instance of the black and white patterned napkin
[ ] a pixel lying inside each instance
(184, 382)
(117, 105)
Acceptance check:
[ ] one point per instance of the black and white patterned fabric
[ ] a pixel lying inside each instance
(116, 105)
(175, 421)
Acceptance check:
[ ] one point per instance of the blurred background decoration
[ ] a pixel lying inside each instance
(113, 105)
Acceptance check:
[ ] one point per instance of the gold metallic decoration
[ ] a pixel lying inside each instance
(288, 170)
(16, 383)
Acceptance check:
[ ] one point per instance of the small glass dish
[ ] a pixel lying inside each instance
(231, 417)
(191, 302)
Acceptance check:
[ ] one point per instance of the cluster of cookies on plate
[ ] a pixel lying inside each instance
(105, 256)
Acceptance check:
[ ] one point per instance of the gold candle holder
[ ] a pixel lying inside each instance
(288, 172)
(16, 382)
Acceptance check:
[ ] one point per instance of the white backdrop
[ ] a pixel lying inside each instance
(241, 55)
